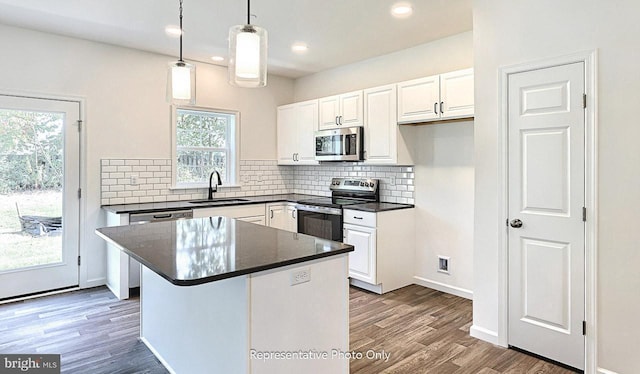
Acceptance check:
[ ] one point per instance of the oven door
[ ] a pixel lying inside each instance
(321, 222)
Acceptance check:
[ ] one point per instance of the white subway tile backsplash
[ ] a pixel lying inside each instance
(257, 177)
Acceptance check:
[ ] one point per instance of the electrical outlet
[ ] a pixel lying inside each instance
(392, 181)
(300, 276)
(134, 180)
(443, 264)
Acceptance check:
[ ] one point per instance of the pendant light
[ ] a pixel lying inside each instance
(181, 79)
(248, 54)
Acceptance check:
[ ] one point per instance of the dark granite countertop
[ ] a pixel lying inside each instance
(201, 250)
(379, 207)
(185, 204)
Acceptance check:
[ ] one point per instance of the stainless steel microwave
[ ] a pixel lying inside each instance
(344, 144)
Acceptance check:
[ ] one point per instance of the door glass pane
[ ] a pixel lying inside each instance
(31, 176)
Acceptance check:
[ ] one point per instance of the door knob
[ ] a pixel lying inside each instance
(516, 223)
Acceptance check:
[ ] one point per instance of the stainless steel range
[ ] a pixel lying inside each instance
(322, 217)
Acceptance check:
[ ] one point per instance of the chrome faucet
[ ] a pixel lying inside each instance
(211, 188)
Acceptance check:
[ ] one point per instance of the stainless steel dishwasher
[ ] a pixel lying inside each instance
(172, 215)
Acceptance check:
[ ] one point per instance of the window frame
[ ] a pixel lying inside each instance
(233, 165)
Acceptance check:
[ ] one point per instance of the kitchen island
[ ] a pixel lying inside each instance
(222, 295)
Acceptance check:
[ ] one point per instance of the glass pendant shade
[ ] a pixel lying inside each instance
(181, 83)
(247, 56)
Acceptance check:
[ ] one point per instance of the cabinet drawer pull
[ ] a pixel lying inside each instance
(356, 217)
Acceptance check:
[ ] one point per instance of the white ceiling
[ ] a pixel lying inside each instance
(338, 32)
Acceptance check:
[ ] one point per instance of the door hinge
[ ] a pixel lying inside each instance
(79, 125)
(78, 260)
(584, 328)
(79, 193)
(584, 214)
(584, 100)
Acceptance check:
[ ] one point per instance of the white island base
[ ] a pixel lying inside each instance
(239, 324)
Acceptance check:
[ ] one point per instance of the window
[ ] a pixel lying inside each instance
(205, 141)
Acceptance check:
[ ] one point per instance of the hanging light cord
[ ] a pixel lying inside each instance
(248, 12)
(181, 32)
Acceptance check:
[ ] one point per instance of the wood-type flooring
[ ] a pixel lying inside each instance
(423, 331)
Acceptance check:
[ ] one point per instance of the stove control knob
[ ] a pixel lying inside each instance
(366, 184)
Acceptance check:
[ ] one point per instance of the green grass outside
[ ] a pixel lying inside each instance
(19, 249)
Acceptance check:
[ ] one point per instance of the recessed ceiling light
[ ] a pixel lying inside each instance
(401, 10)
(172, 31)
(217, 58)
(299, 47)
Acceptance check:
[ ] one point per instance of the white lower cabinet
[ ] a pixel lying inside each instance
(384, 248)
(283, 216)
(362, 261)
(249, 213)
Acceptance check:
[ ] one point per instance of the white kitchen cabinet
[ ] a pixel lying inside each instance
(362, 261)
(249, 212)
(345, 110)
(438, 97)
(384, 141)
(260, 220)
(282, 216)
(296, 125)
(384, 247)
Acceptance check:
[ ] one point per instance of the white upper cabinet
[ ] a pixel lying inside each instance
(384, 143)
(418, 99)
(439, 97)
(296, 126)
(456, 91)
(341, 110)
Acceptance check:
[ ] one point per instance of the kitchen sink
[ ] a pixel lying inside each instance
(217, 201)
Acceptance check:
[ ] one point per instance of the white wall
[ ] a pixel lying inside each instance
(444, 161)
(126, 112)
(448, 54)
(507, 33)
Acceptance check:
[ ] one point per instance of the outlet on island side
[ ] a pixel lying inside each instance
(300, 276)
(443, 264)
(134, 180)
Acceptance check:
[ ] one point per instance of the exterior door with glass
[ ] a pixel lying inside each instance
(39, 200)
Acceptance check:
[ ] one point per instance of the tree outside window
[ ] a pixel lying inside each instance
(205, 142)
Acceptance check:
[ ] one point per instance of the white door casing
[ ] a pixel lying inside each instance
(546, 171)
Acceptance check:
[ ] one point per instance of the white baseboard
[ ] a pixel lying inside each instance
(605, 371)
(96, 282)
(484, 334)
(467, 294)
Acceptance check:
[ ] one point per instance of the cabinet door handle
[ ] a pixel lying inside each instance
(441, 110)
(356, 217)
(270, 213)
(435, 108)
(293, 214)
(293, 157)
(337, 123)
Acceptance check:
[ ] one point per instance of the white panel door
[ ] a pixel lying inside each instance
(40, 179)
(418, 100)
(456, 94)
(546, 197)
(362, 261)
(380, 130)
